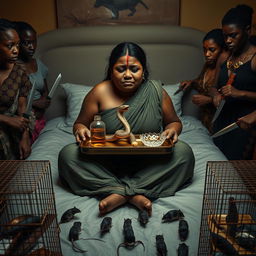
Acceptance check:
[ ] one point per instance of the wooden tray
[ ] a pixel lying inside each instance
(123, 147)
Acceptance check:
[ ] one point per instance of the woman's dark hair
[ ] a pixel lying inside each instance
(4, 26)
(22, 26)
(121, 50)
(216, 35)
(241, 16)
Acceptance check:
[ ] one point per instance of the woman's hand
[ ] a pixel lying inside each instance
(230, 91)
(81, 133)
(201, 100)
(185, 84)
(17, 122)
(217, 99)
(248, 121)
(25, 146)
(171, 134)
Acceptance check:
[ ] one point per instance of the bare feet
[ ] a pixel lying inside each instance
(111, 202)
(142, 203)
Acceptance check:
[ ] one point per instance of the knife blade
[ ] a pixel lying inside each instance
(177, 91)
(54, 87)
(30, 101)
(218, 110)
(222, 103)
(226, 129)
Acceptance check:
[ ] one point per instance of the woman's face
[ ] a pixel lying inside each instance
(28, 43)
(9, 46)
(211, 51)
(235, 37)
(127, 74)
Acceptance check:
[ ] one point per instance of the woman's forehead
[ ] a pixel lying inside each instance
(230, 28)
(127, 59)
(8, 34)
(210, 43)
(28, 33)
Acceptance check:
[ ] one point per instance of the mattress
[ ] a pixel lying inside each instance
(57, 134)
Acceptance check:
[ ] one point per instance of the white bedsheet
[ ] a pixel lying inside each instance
(56, 135)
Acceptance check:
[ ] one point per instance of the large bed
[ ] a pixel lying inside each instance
(81, 54)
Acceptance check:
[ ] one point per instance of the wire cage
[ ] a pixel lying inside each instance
(228, 224)
(28, 219)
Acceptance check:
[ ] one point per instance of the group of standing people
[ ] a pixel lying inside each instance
(19, 70)
(229, 51)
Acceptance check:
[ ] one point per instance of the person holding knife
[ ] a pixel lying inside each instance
(36, 71)
(213, 47)
(14, 89)
(240, 96)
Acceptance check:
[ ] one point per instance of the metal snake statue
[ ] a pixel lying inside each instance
(126, 132)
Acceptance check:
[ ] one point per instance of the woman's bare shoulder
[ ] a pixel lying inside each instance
(101, 87)
(98, 92)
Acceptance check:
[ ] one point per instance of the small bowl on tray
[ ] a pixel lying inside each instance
(152, 139)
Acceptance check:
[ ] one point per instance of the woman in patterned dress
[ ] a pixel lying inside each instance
(14, 88)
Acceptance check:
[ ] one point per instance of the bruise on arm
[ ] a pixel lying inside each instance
(170, 118)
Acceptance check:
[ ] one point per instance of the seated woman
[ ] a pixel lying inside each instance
(133, 179)
(240, 97)
(213, 46)
(36, 71)
(14, 88)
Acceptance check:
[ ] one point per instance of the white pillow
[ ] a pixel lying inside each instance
(176, 99)
(75, 95)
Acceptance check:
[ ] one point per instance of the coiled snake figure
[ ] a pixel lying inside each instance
(126, 132)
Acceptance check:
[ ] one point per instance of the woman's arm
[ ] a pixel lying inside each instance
(248, 121)
(25, 145)
(17, 122)
(90, 107)
(231, 91)
(201, 100)
(171, 121)
(213, 92)
(46, 90)
(43, 102)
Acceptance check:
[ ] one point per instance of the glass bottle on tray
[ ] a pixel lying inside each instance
(98, 131)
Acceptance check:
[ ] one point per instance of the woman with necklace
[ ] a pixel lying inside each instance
(213, 47)
(240, 96)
